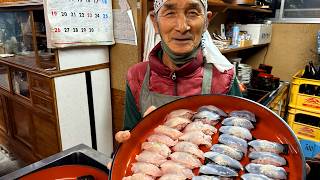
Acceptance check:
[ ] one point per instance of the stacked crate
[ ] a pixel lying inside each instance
(304, 109)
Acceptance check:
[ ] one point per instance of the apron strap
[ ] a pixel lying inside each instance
(207, 79)
(144, 93)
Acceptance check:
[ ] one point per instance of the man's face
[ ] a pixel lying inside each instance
(181, 24)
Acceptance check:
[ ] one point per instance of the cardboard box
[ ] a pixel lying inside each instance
(260, 33)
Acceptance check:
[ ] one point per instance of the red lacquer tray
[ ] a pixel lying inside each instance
(269, 126)
(67, 172)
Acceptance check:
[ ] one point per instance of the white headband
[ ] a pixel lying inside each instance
(159, 3)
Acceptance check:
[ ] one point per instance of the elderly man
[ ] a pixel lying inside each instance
(184, 63)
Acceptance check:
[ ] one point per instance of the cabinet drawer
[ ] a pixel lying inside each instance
(42, 103)
(41, 84)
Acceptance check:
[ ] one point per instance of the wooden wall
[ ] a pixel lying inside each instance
(292, 46)
(122, 56)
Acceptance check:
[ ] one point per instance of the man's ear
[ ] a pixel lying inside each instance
(154, 21)
(210, 16)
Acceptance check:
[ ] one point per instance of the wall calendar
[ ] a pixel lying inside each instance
(78, 23)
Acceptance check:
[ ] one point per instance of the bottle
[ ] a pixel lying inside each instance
(318, 74)
(317, 93)
(313, 70)
(306, 73)
(235, 35)
(310, 89)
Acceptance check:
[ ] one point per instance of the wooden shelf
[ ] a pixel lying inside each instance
(220, 3)
(225, 51)
(21, 3)
(37, 35)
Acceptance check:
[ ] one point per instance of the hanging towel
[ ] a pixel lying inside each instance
(151, 39)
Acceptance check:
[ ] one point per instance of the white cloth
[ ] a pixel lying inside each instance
(157, 4)
(151, 39)
(213, 54)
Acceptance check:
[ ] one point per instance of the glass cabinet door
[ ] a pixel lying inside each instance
(15, 33)
(4, 77)
(20, 83)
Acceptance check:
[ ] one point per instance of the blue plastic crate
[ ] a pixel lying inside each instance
(316, 149)
(308, 147)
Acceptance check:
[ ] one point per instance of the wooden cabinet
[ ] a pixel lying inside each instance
(43, 109)
(32, 115)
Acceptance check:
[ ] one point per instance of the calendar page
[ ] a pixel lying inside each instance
(78, 22)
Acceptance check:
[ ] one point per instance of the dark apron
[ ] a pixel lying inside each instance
(148, 98)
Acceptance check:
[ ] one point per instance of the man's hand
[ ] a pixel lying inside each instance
(122, 136)
(308, 169)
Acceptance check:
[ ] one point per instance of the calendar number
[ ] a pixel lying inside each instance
(57, 30)
(54, 13)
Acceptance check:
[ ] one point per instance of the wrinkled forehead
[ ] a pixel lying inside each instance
(159, 3)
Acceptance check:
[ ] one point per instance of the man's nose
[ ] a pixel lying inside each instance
(182, 24)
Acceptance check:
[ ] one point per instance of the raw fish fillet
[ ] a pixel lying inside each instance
(238, 121)
(251, 176)
(199, 126)
(207, 117)
(165, 130)
(213, 109)
(196, 137)
(267, 170)
(171, 167)
(267, 158)
(226, 150)
(184, 113)
(217, 170)
(162, 139)
(185, 146)
(188, 160)
(244, 114)
(223, 160)
(234, 142)
(204, 178)
(240, 132)
(172, 177)
(151, 157)
(138, 176)
(159, 148)
(177, 123)
(267, 146)
(146, 168)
